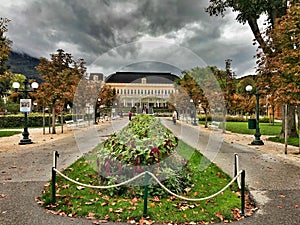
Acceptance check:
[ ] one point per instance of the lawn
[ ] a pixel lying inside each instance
(74, 200)
(242, 128)
(5, 133)
(265, 129)
(125, 203)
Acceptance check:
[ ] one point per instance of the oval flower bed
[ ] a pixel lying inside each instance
(144, 145)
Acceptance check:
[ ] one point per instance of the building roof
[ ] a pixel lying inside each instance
(136, 77)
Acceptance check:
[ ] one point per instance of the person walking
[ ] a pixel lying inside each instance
(174, 116)
(129, 115)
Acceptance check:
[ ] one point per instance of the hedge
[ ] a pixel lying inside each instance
(34, 120)
(232, 118)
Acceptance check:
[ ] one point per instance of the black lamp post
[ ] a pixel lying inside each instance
(96, 107)
(194, 112)
(257, 140)
(27, 89)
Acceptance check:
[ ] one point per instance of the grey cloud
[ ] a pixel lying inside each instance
(94, 27)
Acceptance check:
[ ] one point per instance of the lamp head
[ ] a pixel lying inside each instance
(249, 88)
(34, 85)
(16, 85)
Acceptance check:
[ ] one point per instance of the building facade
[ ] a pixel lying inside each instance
(142, 90)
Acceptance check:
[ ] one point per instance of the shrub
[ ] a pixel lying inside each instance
(143, 145)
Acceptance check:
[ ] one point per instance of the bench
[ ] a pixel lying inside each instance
(70, 123)
(81, 122)
(214, 125)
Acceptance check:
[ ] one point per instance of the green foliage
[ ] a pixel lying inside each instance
(144, 144)
(12, 121)
(5, 44)
(291, 141)
(5, 133)
(77, 201)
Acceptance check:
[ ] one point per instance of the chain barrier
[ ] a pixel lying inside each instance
(147, 173)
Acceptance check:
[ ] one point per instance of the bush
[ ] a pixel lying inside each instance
(230, 118)
(143, 145)
(34, 120)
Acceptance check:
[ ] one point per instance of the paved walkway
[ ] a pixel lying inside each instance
(274, 181)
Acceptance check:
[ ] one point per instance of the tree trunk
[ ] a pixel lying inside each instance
(53, 119)
(206, 118)
(298, 117)
(291, 122)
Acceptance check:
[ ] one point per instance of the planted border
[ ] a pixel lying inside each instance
(126, 204)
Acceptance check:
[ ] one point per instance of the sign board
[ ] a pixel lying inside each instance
(25, 105)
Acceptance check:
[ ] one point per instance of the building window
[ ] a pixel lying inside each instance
(144, 80)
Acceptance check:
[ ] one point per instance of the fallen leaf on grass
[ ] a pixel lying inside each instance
(80, 188)
(90, 216)
(221, 217)
(296, 205)
(155, 199)
(145, 221)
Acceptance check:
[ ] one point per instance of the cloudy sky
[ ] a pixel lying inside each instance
(112, 34)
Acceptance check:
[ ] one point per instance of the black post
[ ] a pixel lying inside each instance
(257, 140)
(25, 133)
(53, 187)
(146, 195)
(235, 164)
(243, 193)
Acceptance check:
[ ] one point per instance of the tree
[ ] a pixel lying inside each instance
(250, 11)
(282, 65)
(4, 52)
(61, 76)
(4, 45)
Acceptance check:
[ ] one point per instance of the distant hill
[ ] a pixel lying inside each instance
(24, 64)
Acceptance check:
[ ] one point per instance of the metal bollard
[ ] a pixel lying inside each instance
(53, 188)
(243, 193)
(146, 194)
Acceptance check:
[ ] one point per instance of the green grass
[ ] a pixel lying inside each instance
(5, 133)
(75, 201)
(291, 141)
(265, 129)
(242, 128)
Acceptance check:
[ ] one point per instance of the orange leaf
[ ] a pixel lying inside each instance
(221, 217)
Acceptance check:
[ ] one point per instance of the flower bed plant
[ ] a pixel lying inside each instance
(145, 145)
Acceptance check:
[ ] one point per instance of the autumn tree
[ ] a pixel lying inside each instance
(106, 96)
(250, 12)
(4, 53)
(61, 76)
(281, 66)
(200, 85)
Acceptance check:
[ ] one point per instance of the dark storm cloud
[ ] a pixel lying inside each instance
(87, 29)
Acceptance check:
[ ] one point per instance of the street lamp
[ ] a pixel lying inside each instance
(193, 113)
(257, 140)
(96, 107)
(25, 107)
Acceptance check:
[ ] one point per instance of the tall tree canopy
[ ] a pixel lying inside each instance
(4, 52)
(280, 67)
(249, 11)
(61, 75)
